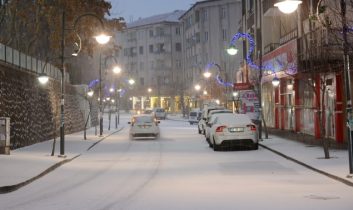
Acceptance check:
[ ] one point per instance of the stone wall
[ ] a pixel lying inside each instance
(34, 109)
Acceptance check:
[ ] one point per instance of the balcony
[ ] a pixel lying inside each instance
(288, 37)
(271, 47)
(319, 50)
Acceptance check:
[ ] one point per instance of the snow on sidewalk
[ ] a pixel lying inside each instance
(25, 163)
(313, 156)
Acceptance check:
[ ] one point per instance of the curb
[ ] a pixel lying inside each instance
(11, 188)
(344, 181)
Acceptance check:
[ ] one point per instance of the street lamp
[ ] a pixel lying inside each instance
(43, 78)
(131, 81)
(275, 81)
(102, 39)
(117, 70)
(207, 74)
(232, 50)
(62, 82)
(287, 6)
(90, 93)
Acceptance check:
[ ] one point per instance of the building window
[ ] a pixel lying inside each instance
(151, 33)
(205, 36)
(160, 31)
(178, 47)
(197, 37)
(151, 48)
(223, 12)
(178, 64)
(204, 15)
(160, 48)
(197, 16)
(224, 34)
(177, 30)
(141, 50)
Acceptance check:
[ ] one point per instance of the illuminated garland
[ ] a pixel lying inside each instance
(292, 69)
(218, 77)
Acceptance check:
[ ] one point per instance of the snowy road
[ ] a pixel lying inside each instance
(178, 171)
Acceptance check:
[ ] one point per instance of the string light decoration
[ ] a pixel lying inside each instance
(291, 69)
(218, 77)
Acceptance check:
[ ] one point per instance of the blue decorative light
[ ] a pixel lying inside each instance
(218, 77)
(292, 69)
(93, 83)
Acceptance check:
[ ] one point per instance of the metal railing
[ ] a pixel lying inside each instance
(16, 58)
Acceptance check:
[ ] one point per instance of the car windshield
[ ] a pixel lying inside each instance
(143, 119)
(193, 114)
(159, 110)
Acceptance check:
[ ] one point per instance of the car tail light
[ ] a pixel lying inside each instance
(252, 127)
(220, 128)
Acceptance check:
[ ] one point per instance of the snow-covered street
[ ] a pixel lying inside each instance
(178, 171)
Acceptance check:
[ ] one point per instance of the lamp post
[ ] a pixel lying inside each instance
(117, 71)
(100, 39)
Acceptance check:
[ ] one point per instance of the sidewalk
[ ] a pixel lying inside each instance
(29, 163)
(25, 164)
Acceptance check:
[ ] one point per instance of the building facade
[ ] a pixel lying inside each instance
(307, 58)
(151, 54)
(208, 27)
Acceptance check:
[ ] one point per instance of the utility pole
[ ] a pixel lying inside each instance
(347, 82)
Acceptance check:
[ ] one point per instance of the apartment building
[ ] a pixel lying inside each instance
(151, 54)
(307, 59)
(208, 26)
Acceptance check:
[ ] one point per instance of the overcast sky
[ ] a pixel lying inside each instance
(134, 9)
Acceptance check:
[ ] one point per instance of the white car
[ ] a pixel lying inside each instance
(227, 130)
(202, 122)
(194, 117)
(144, 126)
(211, 115)
(159, 113)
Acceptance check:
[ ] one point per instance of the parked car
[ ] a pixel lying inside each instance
(204, 115)
(144, 126)
(228, 130)
(194, 117)
(214, 113)
(159, 113)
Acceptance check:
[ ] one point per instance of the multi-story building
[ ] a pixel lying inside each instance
(307, 59)
(151, 54)
(208, 26)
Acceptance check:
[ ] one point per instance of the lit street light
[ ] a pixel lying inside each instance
(275, 81)
(232, 50)
(288, 6)
(43, 78)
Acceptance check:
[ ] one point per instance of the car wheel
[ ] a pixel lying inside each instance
(209, 143)
(215, 146)
(255, 146)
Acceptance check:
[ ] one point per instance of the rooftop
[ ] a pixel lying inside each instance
(166, 17)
